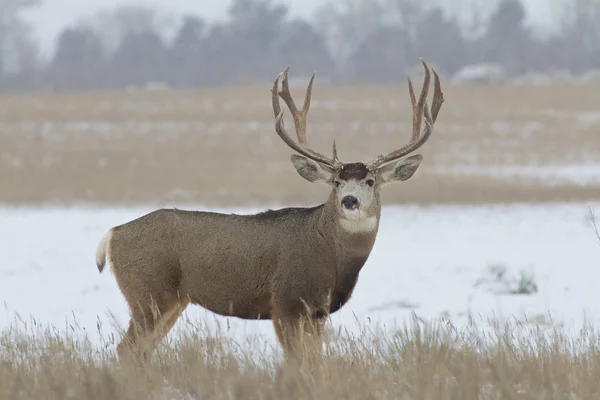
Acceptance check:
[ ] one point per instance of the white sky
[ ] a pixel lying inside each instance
(54, 15)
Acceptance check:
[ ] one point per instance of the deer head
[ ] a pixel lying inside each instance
(355, 186)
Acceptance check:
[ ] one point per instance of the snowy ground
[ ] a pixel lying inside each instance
(430, 260)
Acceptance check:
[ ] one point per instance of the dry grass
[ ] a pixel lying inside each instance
(219, 147)
(420, 361)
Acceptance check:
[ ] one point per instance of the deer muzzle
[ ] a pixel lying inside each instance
(350, 203)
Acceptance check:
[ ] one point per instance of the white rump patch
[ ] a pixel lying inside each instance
(359, 225)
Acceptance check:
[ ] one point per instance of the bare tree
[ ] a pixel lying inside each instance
(141, 58)
(349, 40)
(255, 26)
(112, 25)
(79, 61)
(17, 49)
(579, 41)
(507, 40)
(188, 59)
(301, 45)
(345, 24)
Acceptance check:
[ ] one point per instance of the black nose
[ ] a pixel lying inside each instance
(350, 202)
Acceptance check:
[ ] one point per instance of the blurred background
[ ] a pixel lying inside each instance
(120, 102)
(68, 45)
(123, 107)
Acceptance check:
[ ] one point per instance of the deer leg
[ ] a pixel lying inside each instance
(131, 346)
(146, 328)
(289, 334)
(128, 345)
(301, 337)
(163, 327)
(313, 336)
(170, 323)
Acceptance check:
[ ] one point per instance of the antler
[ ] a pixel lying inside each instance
(420, 110)
(299, 121)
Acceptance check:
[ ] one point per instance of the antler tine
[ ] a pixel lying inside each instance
(275, 97)
(420, 111)
(299, 120)
(413, 100)
(438, 96)
(285, 91)
(298, 115)
(335, 156)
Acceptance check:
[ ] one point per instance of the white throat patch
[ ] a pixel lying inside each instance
(359, 225)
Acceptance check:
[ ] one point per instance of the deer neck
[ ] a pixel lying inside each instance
(352, 241)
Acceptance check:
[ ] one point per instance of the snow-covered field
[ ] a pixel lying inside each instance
(434, 261)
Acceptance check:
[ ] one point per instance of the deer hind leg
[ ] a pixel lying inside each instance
(131, 346)
(170, 322)
(147, 327)
(164, 326)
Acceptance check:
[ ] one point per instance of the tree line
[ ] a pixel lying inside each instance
(347, 41)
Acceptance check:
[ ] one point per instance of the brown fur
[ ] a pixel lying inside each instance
(275, 265)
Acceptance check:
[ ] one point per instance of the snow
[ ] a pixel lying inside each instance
(430, 260)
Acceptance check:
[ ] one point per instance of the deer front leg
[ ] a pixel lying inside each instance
(289, 331)
(313, 337)
(301, 338)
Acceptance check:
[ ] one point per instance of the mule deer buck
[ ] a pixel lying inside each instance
(294, 266)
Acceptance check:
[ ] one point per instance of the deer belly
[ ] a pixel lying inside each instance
(247, 308)
(227, 290)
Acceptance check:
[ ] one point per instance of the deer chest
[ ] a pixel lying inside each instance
(347, 278)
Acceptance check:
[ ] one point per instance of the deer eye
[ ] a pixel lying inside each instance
(370, 182)
(337, 183)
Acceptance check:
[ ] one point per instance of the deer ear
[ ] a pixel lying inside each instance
(400, 170)
(311, 170)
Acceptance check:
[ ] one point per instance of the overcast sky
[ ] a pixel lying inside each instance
(54, 15)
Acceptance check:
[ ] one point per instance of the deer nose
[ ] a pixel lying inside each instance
(350, 202)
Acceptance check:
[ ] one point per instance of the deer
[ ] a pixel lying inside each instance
(294, 266)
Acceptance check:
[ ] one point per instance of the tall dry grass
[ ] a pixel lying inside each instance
(218, 147)
(422, 360)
